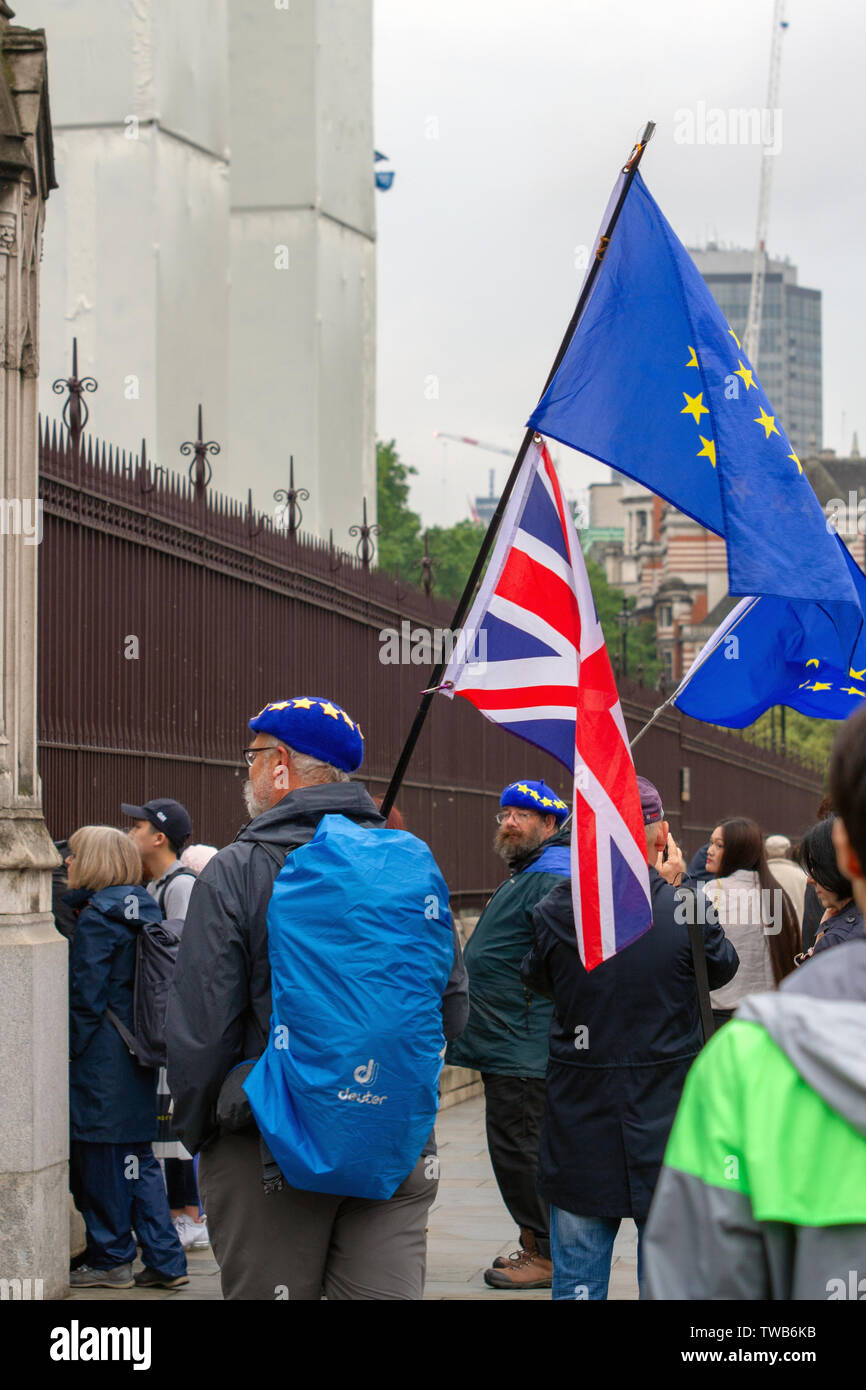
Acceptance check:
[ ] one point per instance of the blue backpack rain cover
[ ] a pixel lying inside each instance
(361, 948)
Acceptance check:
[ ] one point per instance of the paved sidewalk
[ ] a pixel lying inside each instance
(468, 1227)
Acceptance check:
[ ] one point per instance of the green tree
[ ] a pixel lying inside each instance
(399, 541)
(640, 635)
(454, 548)
(808, 739)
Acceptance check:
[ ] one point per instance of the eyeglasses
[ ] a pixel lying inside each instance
(250, 753)
(520, 816)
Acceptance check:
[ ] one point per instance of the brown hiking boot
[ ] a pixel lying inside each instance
(523, 1269)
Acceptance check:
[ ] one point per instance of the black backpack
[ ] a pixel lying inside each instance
(156, 949)
(180, 872)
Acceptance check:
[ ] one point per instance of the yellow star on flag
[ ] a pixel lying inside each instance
(708, 451)
(746, 374)
(768, 421)
(303, 703)
(797, 461)
(822, 685)
(694, 406)
(330, 709)
(858, 675)
(693, 360)
(852, 690)
(734, 336)
(813, 661)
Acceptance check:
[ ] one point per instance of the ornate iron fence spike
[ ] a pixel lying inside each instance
(290, 499)
(252, 529)
(332, 552)
(365, 548)
(75, 413)
(428, 562)
(200, 471)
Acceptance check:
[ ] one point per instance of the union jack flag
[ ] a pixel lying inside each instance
(532, 659)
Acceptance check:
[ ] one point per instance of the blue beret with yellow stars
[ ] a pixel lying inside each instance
(316, 727)
(534, 796)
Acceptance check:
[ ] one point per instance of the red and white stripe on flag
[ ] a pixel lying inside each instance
(546, 676)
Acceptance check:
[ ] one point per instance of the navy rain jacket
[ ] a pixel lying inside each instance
(622, 1038)
(112, 1100)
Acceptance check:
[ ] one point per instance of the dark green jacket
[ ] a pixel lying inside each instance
(508, 1026)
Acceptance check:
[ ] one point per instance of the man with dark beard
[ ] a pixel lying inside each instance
(507, 1033)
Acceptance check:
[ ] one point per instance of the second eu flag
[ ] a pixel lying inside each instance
(656, 384)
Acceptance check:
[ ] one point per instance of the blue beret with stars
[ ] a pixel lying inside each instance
(534, 796)
(316, 727)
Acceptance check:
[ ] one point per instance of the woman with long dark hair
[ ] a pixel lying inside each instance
(755, 914)
(842, 919)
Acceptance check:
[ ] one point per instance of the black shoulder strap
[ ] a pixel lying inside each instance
(182, 872)
(123, 1031)
(699, 961)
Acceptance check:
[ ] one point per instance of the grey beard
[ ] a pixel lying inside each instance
(254, 807)
(516, 849)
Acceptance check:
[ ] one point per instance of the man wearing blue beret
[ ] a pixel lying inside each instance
(219, 1016)
(506, 1036)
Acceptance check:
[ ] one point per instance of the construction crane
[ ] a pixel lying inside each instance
(479, 443)
(752, 335)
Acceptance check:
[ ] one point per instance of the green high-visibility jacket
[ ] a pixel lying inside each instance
(508, 1027)
(763, 1190)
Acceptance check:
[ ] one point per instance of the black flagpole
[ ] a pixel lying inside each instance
(629, 169)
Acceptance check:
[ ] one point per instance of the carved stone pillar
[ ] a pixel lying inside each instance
(34, 1221)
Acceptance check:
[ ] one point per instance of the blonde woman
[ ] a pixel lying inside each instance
(115, 1179)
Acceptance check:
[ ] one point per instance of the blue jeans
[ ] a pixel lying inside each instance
(581, 1247)
(116, 1187)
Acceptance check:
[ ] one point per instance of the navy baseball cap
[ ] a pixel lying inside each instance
(165, 815)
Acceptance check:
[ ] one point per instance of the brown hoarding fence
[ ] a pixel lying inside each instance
(169, 615)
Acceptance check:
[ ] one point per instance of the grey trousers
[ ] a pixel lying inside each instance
(301, 1245)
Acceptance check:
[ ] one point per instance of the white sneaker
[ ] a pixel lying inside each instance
(197, 1233)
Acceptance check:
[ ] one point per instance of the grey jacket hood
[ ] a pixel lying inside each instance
(818, 1019)
(306, 806)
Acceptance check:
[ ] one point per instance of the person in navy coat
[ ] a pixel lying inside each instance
(116, 1181)
(622, 1038)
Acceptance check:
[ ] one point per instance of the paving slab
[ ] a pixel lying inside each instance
(468, 1227)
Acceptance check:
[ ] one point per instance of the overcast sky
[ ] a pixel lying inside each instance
(506, 123)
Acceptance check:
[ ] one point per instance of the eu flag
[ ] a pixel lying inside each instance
(656, 384)
(770, 651)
